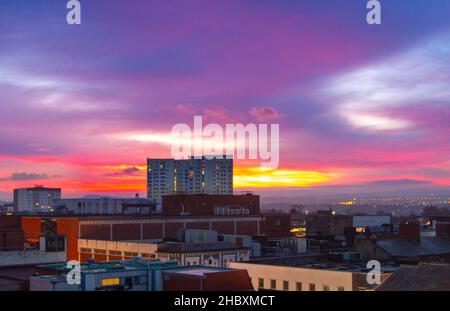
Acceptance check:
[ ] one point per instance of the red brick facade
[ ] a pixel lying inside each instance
(210, 205)
(127, 228)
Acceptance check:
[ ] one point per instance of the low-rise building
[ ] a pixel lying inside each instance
(210, 204)
(106, 206)
(11, 233)
(423, 277)
(52, 249)
(328, 223)
(140, 275)
(214, 254)
(309, 273)
(432, 249)
(125, 228)
(206, 279)
(129, 275)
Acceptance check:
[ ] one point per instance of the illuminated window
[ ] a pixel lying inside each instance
(110, 282)
(312, 287)
(285, 285)
(326, 288)
(273, 284)
(299, 286)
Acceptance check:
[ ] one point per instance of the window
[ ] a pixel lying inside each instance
(130, 254)
(285, 285)
(115, 253)
(260, 283)
(100, 251)
(110, 282)
(312, 287)
(273, 284)
(326, 288)
(298, 286)
(340, 288)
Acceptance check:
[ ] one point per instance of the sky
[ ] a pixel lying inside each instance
(361, 107)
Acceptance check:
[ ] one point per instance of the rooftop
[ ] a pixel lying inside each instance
(134, 264)
(321, 262)
(177, 247)
(198, 270)
(424, 277)
(410, 248)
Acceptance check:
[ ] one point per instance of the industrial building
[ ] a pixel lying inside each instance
(141, 275)
(11, 233)
(120, 228)
(212, 254)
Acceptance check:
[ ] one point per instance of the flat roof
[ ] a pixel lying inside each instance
(119, 265)
(137, 217)
(197, 270)
(320, 262)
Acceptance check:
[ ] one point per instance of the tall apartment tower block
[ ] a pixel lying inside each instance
(37, 199)
(191, 176)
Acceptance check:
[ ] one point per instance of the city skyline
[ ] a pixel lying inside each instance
(360, 107)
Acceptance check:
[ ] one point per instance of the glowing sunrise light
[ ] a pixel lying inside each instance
(257, 177)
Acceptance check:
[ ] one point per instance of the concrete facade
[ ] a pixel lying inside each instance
(191, 176)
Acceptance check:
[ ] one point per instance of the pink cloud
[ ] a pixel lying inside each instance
(265, 113)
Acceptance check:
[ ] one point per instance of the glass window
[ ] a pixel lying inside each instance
(110, 282)
(273, 284)
(298, 286)
(312, 287)
(341, 288)
(285, 285)
(260, 283)
(326, 288)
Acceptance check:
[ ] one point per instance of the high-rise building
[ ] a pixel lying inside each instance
(191, 176)
(37, 199)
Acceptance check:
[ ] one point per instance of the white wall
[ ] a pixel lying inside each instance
(319, 277)
(30, 257)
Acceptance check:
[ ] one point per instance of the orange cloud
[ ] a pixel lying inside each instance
(257, 177)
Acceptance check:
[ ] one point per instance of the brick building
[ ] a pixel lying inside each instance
(210, 205)
(206, 279)
(120, 228)
(277, 225)
(11, 234)
(213, 254)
